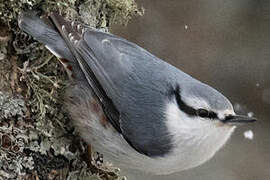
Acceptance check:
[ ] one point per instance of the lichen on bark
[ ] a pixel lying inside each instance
(37, 140)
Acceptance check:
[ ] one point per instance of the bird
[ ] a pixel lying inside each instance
(136, 109)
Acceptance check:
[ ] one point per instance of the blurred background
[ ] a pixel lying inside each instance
(226, 45)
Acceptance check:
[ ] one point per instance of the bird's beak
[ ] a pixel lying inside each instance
(237, 119)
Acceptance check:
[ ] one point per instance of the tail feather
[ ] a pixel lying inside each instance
(38, 28)
(45, 32)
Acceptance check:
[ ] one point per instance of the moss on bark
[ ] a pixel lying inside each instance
(37, 140)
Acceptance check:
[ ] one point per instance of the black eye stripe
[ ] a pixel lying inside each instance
(187, 109)
(182, 105)
(212, 115)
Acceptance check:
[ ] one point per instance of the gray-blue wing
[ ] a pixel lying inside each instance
(134, 80)
(68, 28)
(128, 81)
(112, 60)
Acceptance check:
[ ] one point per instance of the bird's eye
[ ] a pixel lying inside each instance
(202, 113)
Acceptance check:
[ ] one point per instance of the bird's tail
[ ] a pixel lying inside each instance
(40, 29)
(45, 32)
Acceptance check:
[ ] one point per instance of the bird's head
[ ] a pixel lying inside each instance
(200, 120)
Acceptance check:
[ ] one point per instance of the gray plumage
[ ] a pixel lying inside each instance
(135, 89)
(130, 76)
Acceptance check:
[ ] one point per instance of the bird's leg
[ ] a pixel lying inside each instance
(90, 156)
(94, 159)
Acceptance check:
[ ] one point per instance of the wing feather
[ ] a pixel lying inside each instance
(65, 28)
(119, 73)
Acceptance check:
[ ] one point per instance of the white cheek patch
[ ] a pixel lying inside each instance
(172, 114)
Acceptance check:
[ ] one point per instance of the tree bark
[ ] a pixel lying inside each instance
(37, 140)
